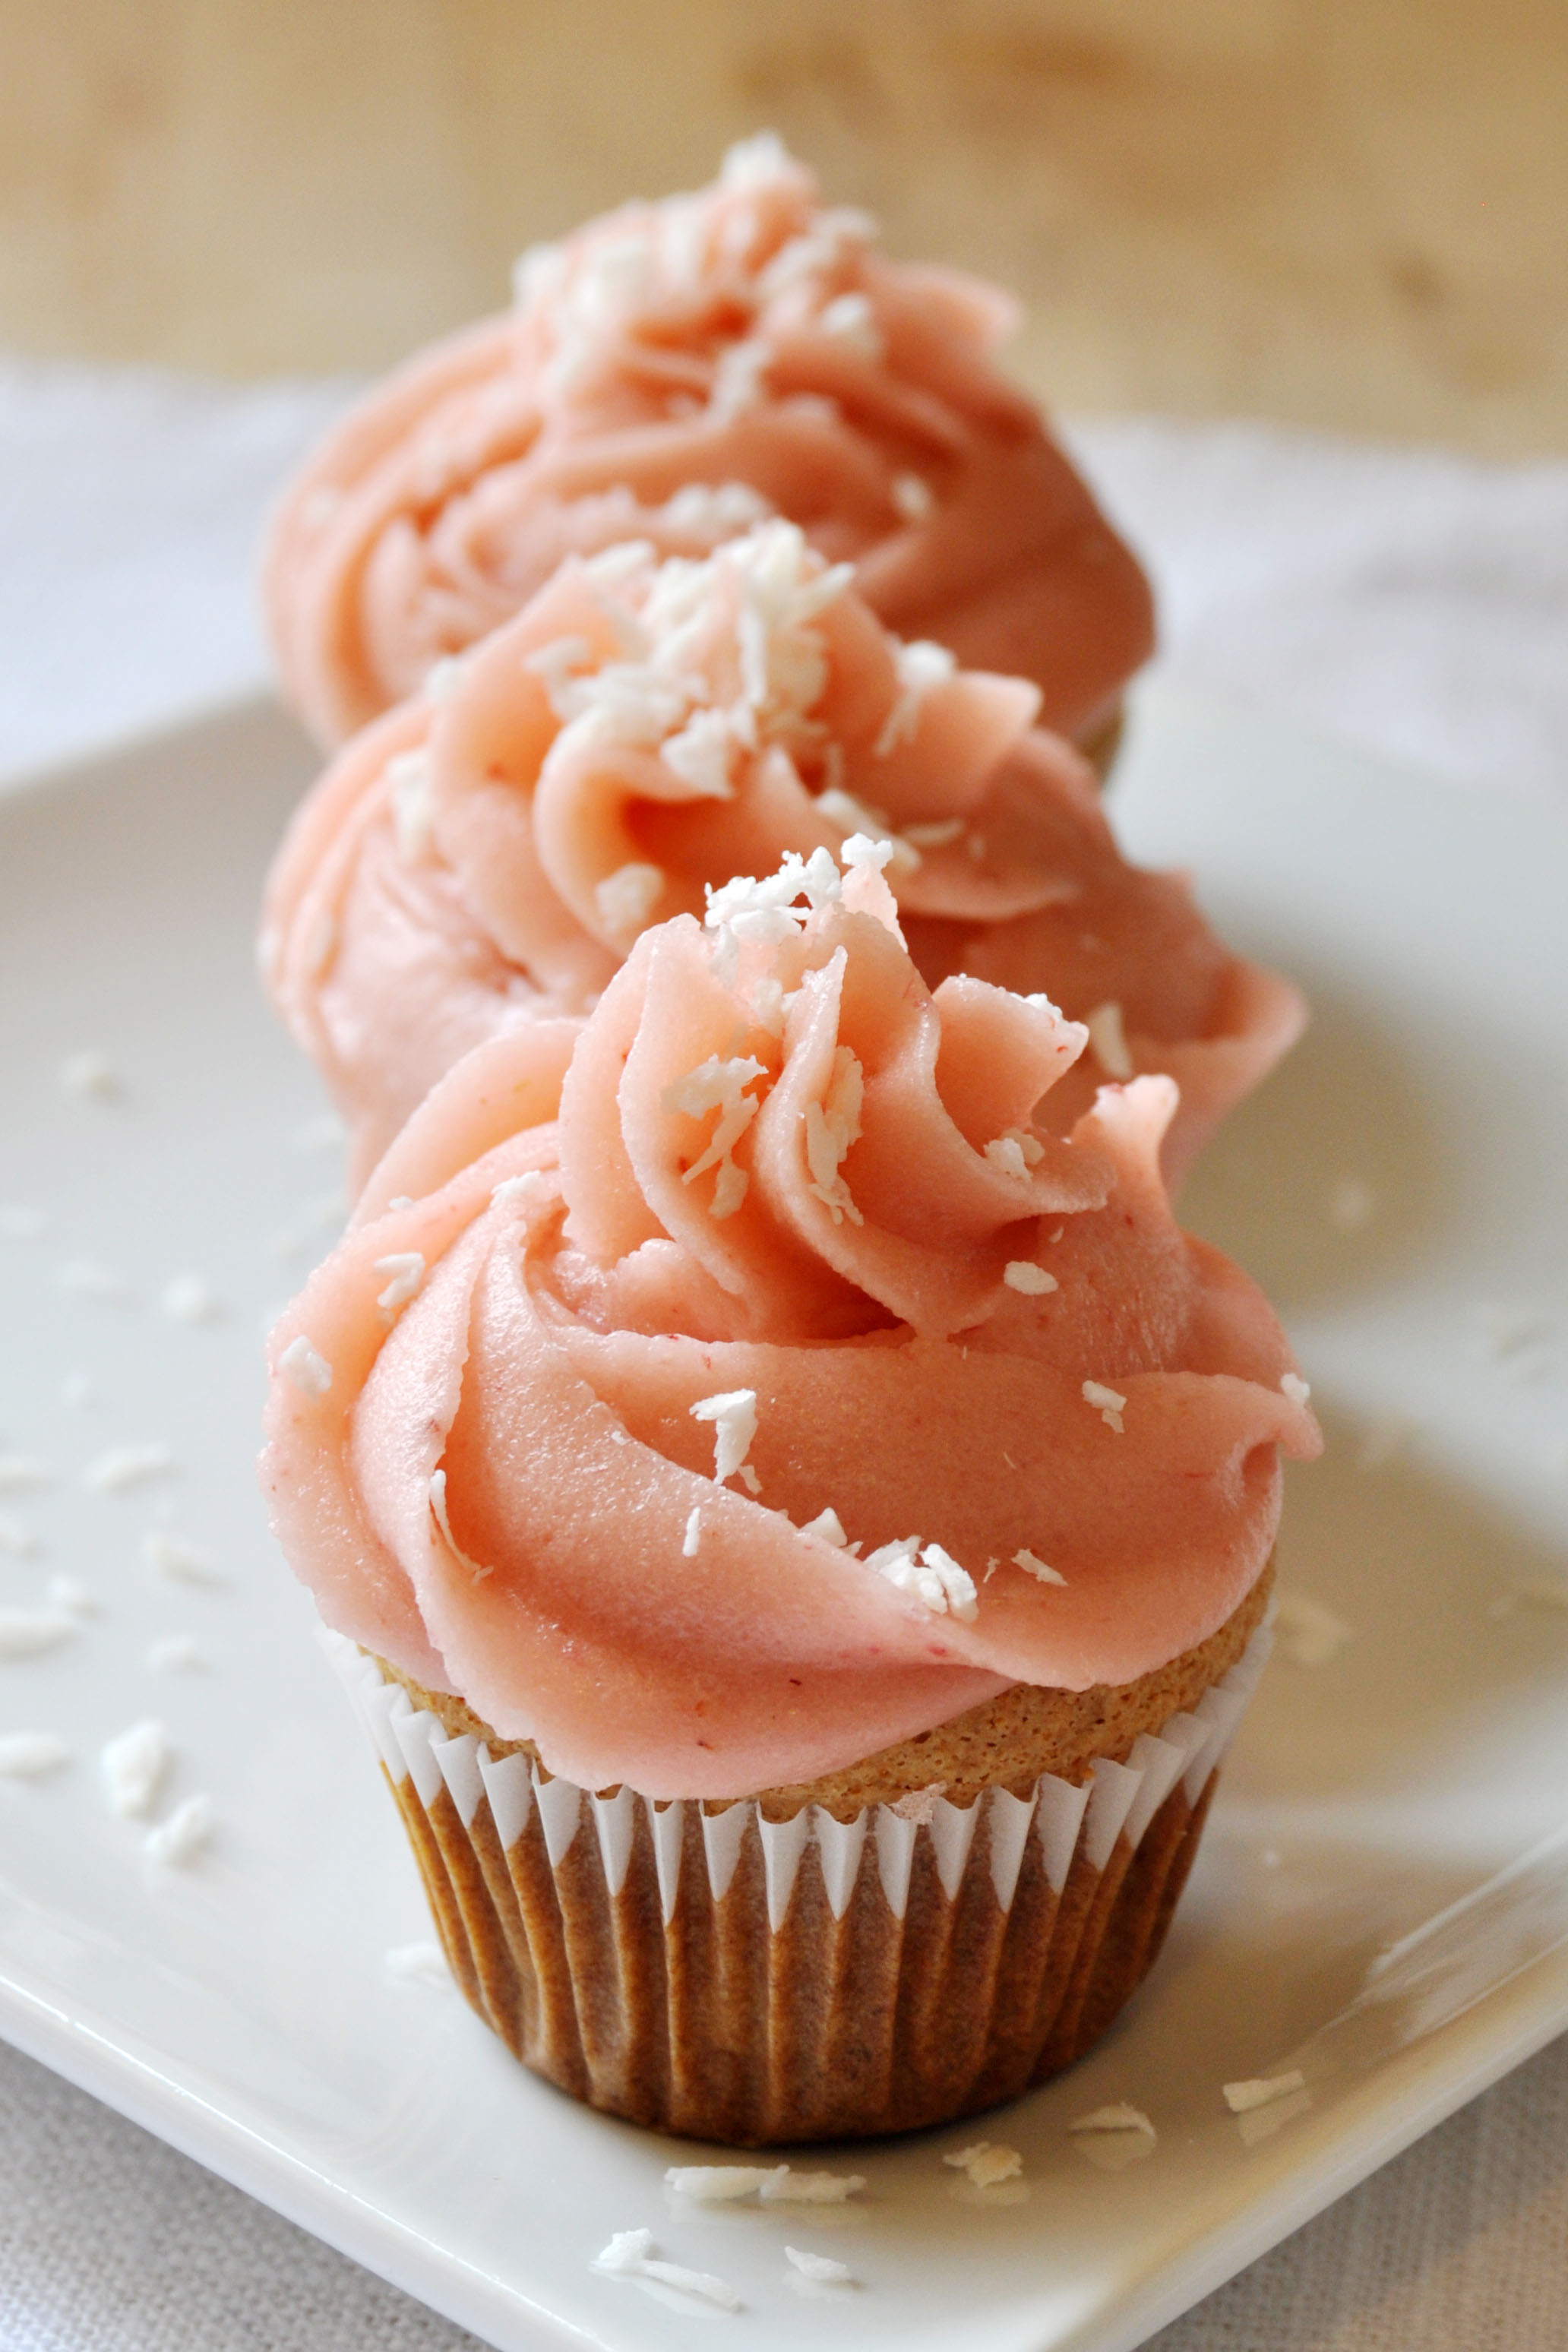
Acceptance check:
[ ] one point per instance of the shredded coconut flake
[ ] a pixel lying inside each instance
(83, 1278)
(733, 1413)
(719, 1085)
(701, 754)
(188, 1829)
(422, 1963)
(914, 497)
(28, 1755)
(439, 1508)
(1295, 1388)
(1118, 2117)
(175, 1654)
(937, 835)
(1107, 1403)
(1031, 1566)
(1262, 2090)
(625, 899)
(785, 2186)
(1309, 1634)
(832, 1128)
(173, 1557)
(693, 1536)
(311, 1373)
(406, 1269)
(135, 1766)
(28, 1633)
(987, 2163)
(412, 807)
(930, 1575)
(1107, 1040)
(120, 1467)
(189, 1298)
(1023, 1274)
(90, 1077)
(823, 2268)
(21, 1472)
(720, 2184)
(528, 1187)
(828, 1527)
(630, 2255)
(920, 666)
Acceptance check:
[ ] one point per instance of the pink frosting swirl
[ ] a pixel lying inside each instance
(642, 731)
(793, 1388)
(676, 371)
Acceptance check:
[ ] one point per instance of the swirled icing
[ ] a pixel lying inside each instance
(748, 1380)
(674, 372)
(643, 729)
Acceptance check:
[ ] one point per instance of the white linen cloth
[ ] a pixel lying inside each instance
(1414, 601)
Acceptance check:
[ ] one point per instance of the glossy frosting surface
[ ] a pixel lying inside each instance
(673, 372)
(641, 732)
(747, 1379)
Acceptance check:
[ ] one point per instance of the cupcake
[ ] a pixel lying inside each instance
(798, 1525)
(673, 372)
(643, 729)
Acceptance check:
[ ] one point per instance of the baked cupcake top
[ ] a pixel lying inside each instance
(641, 732)
(721, 1391)
(673, 372)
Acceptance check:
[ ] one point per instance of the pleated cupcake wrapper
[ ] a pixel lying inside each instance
(591, 1962)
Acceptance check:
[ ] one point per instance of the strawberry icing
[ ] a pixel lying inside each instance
(677, 371)
(643, 730)
(721, 1391)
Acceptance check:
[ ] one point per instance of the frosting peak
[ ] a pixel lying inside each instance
(676, 371)
(645, 728)
(775, 1383)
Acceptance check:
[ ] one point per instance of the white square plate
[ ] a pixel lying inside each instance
(1398, 1186)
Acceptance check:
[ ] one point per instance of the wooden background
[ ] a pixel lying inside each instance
(1344, 213)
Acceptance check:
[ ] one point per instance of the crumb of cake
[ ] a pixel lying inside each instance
(188, 1829)
(311, 1373)
(1031, 1566)
(987, 2163)
(120, 1467)
(134, 1766)
(29, 1754)
(1309, 1634)
(1262, 2090)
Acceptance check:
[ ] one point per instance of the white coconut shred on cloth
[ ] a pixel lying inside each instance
(1412, 601)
